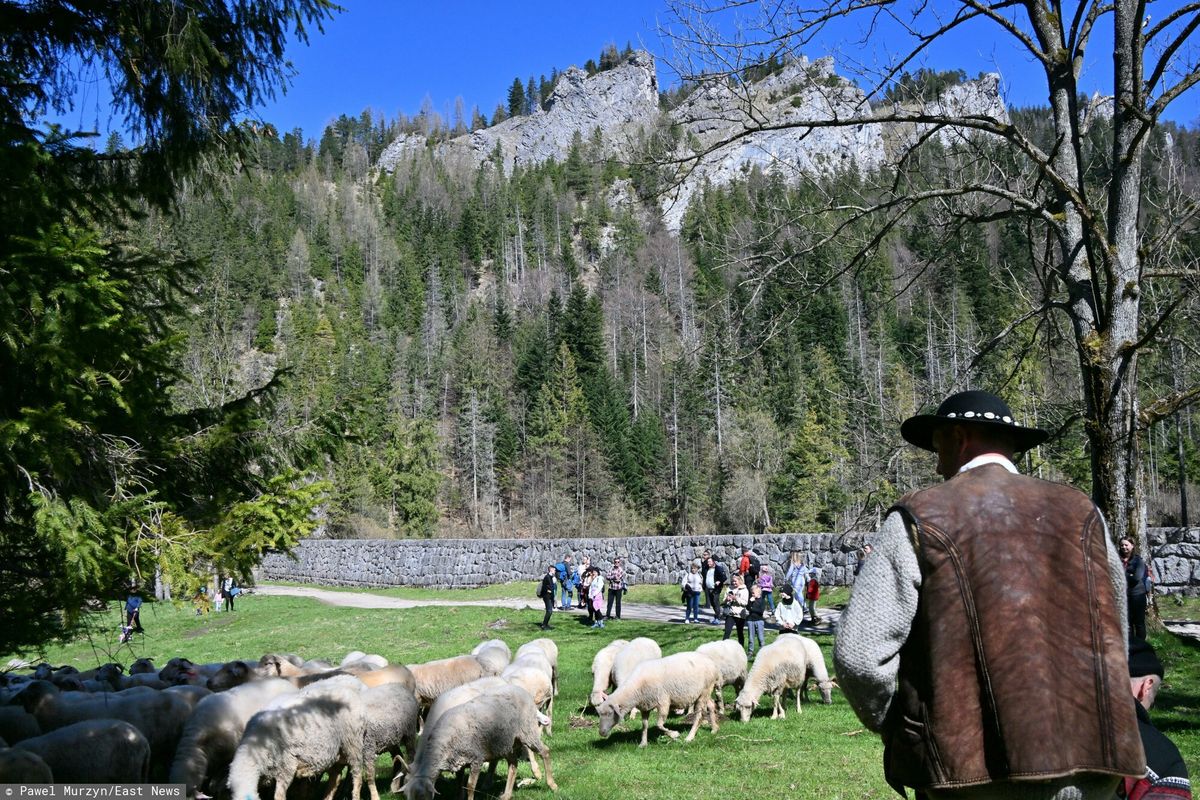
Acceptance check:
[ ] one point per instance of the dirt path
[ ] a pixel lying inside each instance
(639, 611)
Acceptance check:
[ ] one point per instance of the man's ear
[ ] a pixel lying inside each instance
(1145, 689)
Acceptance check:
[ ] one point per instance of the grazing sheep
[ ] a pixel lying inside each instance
(731, 660)
(363, 660)
(393, 720)
(678, 681)
(231, 674)
(549, 649)
(192, 695)
(93, 751)
(280, 666)
(214, 729)
(459, 695)
(382, 676)
(501, 724)
(499, 644)
(301, 736)
(434, 677)
(536, 681)
(143, 666)
(158, 715)
(816, 670)
(602, 666)
(18, 766)
(112, 675)
(17, 724)
(626, 661)
(780, 666)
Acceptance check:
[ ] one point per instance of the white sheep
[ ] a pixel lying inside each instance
(816, 670)
(160, 716)
(499, 644)
(501, 724)
(780, 666)
(437, 676)
(299, 736)
(548, 648)
(214, 729)
(536, 681)
(678, 681)
(460, 694)
(731, 660)
(93, 751)
(18, 766)
(602, 667)
(631, 655)
(393, 720)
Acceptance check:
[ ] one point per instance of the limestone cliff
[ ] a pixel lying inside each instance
(802, 120)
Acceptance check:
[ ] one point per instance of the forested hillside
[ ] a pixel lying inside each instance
(473, 353)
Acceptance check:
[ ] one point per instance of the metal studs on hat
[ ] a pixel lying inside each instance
(988, 415)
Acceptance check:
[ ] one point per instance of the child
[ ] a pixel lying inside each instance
(790, 612)
(754, 611)
(812, 592)
(767, 583)
(693, 587)
(596, 599)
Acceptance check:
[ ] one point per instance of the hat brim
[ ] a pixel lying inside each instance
(918, 431)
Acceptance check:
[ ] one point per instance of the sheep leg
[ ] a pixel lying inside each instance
(335, 780)
(512, 779)
(700, 706)
(537, 773)
(281, 787)
(645, 730)
(777, 708)
(549, 773)
(798, 709)
(661, 723)
(369, 778)
(473, 779)
(712, 715)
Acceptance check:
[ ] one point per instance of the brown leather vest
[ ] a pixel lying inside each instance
(1015, 668)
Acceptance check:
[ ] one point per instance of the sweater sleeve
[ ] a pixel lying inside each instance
(876, 623)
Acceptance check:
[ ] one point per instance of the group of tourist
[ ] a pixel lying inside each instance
(588, 584)
(745, 600)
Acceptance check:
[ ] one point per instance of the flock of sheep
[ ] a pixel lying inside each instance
(226, 729)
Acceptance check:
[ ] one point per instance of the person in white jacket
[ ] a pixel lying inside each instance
(693, 587)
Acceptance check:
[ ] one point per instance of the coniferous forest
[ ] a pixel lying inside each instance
(470, 352)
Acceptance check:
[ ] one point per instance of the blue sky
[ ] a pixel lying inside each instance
(389, 55)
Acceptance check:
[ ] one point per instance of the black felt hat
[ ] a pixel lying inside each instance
(976, 408)
(1143, 660)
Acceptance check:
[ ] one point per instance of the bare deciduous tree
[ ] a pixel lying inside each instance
(1115, 266)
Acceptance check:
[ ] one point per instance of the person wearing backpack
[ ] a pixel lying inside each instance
(546, 592)
(812, 593)
(562, 572)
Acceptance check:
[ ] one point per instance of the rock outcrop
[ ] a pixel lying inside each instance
(802, 120)
(618, 102)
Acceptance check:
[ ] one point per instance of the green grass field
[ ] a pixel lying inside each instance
(821, 753)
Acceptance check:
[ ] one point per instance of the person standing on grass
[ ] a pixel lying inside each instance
(692, 586)
(596, 599)
(1135, 587)
(975, 698)
(754, 619)
(585, 566)
(797, 574)
(546, 592)
(766, 583)
(812, 593)
(133, 613)
(735, 609)
(616, 587)
(714, 576)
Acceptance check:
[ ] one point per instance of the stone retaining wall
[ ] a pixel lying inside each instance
(464, 563)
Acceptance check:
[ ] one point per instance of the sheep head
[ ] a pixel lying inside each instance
(745, 707)
(826, 688)
(142, 666)
(611, 715)
(419, 787)
(234, 673)
(111, 674)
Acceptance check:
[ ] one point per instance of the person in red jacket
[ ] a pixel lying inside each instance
(812, 593)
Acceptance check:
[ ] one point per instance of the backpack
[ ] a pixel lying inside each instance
(540, 592)
(560, 572)
(755, 564)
